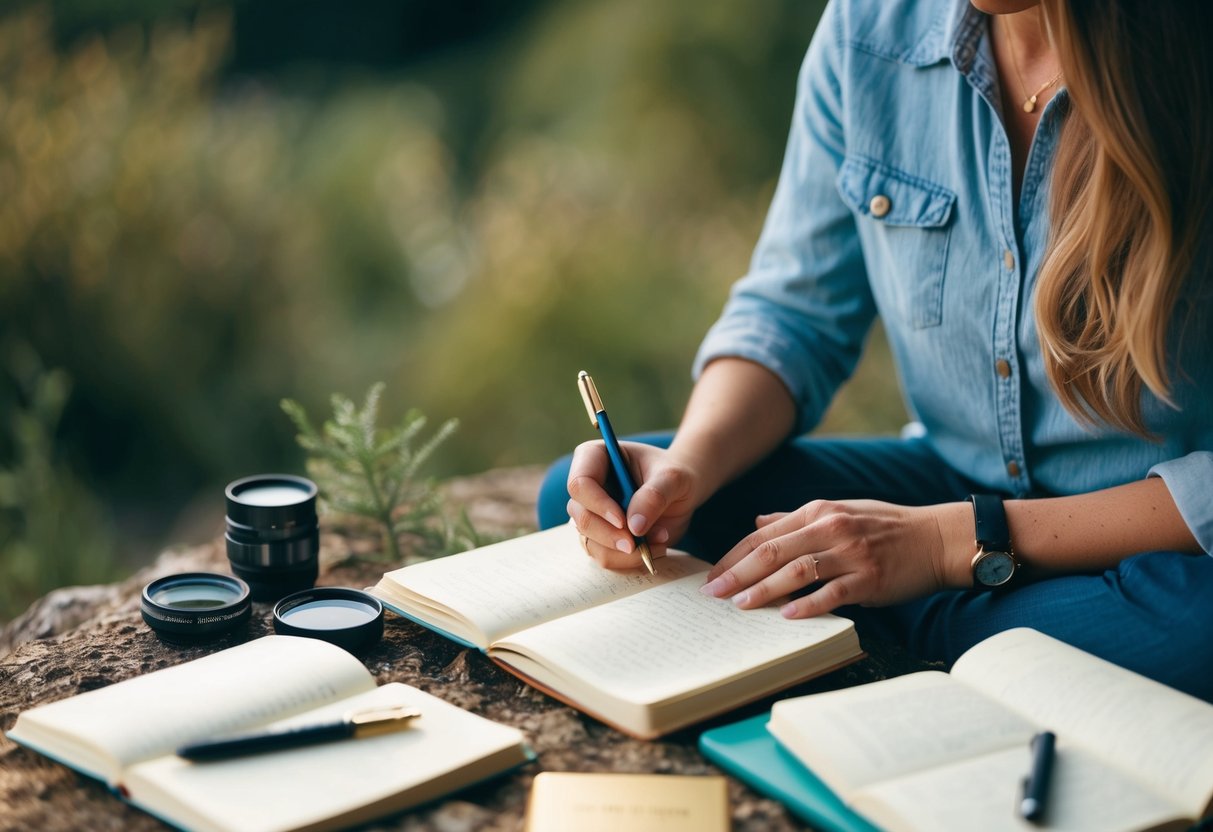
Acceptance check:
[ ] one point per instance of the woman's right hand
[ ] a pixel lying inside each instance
(660, 509)
(738, 413)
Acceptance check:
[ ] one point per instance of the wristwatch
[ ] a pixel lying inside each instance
(994, 565)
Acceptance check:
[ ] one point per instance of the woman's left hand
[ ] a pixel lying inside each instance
(860, 551)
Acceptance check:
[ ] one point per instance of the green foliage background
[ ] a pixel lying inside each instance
(207, 208)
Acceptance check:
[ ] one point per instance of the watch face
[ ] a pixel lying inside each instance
(994, 568)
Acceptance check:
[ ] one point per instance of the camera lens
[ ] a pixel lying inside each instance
(273, 541)
(194, 606)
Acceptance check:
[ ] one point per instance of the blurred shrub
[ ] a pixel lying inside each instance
(53, 532)
(193, 258)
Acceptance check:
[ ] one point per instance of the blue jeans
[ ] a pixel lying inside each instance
(1152, 614)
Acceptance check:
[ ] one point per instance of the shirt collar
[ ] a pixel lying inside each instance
(954, 35)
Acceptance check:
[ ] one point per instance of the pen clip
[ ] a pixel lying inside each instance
(381, 720)
(589, 395)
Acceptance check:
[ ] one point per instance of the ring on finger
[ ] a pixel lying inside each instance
(816, 573)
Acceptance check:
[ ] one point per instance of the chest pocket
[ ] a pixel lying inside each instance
(905, 225)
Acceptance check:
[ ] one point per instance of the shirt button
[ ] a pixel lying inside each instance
(880, 205)
(1009, 259)
(1003, 367)
(1013, 468)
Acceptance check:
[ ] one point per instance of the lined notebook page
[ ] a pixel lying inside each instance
(672, 639)
(509, 586)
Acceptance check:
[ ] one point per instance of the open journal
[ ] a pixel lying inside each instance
(647, 654)
(935, 751)
(126, 735)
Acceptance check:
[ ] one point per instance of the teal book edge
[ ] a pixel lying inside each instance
(429, 626)
(750, 753)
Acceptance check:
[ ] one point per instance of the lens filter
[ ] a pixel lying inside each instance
(348, 618)
(195, 606)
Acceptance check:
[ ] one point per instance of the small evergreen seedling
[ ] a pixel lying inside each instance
(372, 472)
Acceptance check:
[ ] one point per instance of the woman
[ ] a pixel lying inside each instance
(1021, 190)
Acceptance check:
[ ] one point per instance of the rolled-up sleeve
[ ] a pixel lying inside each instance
(1190, 480)
(804, 308)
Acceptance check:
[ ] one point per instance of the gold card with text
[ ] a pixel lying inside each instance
(564, 801)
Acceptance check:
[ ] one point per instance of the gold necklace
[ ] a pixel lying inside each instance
(1029, 102)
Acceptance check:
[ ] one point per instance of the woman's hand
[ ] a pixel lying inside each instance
(661, 507)
(859, 551)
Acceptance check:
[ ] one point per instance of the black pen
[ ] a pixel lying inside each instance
(1036, 784)
(361, 724)
(598, 418)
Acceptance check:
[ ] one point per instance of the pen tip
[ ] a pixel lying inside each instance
(582, 374)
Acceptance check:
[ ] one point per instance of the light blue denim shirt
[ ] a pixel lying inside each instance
(896, 199)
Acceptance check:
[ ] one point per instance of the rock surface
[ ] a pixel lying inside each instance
(82, 638)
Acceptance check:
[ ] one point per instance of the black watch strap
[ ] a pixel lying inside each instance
(990, 518)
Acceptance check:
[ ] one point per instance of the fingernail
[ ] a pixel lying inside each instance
(624, 546)
(741, 598)
(661, 536)
(637, 523)
(788, 610)
(713, 588)
(614, 519)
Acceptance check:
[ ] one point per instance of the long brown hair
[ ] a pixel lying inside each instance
(1132, 189)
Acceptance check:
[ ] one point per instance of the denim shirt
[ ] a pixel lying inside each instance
(896, 198)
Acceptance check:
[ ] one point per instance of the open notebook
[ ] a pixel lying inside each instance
(126, 735)
(936, 750)
(646, 653)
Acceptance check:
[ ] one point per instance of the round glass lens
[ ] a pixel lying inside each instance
(329, 614)
(195, 596)
(272, 495)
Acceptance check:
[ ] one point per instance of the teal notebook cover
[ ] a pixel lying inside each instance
(750, 753)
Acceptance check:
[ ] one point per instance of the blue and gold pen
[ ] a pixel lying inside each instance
(598, 418)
